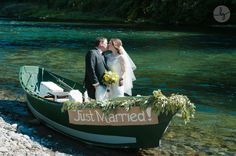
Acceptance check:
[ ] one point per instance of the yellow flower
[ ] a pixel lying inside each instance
(110, 78)
(106, 78)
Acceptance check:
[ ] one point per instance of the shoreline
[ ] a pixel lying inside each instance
(216, 28)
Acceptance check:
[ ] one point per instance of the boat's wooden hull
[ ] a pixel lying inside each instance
(125, 136)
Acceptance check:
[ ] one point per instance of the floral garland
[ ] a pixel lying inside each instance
(158, 102)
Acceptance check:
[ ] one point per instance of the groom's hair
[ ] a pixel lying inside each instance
(99, 39)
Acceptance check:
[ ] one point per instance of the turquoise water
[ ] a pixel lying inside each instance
(201, 65)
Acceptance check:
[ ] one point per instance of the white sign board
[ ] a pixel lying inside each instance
(119, 117)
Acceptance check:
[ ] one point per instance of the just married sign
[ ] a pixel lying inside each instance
(119, 117)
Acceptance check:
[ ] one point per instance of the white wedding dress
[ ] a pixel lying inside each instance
(113, 63)
(112, 91)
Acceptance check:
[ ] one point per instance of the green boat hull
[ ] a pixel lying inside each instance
(49, 112)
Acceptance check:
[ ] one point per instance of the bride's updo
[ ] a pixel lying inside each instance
(117, 44)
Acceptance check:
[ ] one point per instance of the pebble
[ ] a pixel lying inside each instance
(3, 149)
(16, 137)
(59, 154)
(13, 142)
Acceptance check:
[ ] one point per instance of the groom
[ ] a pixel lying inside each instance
(95, 66)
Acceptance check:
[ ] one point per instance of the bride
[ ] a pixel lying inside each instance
(120, 62)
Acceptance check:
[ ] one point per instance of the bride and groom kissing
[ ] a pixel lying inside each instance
(96, 64)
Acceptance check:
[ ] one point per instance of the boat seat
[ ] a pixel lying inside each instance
(49, 87)
(51, 90)
(60, 96)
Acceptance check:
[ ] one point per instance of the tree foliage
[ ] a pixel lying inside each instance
(157, 11)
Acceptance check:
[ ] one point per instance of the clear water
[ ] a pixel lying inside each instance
(201, 65)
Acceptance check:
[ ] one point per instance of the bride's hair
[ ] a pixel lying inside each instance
(117, 44)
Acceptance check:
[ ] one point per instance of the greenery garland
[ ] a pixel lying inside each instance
(158, 102)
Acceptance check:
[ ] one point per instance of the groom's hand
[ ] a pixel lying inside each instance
(96, 85)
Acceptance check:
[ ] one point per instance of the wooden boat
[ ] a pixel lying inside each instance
(121, 130)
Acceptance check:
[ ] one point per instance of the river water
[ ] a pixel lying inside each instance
(199, 64)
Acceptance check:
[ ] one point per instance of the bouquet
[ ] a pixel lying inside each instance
(110, 78)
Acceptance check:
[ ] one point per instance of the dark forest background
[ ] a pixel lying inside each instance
(177, 12)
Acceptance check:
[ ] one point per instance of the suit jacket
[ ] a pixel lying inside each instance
(95, 67)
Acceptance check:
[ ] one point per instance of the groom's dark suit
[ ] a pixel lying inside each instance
(95, 67)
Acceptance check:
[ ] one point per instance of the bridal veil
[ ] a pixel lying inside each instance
(129, 74)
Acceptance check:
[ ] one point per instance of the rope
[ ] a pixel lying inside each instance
(61, 81)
